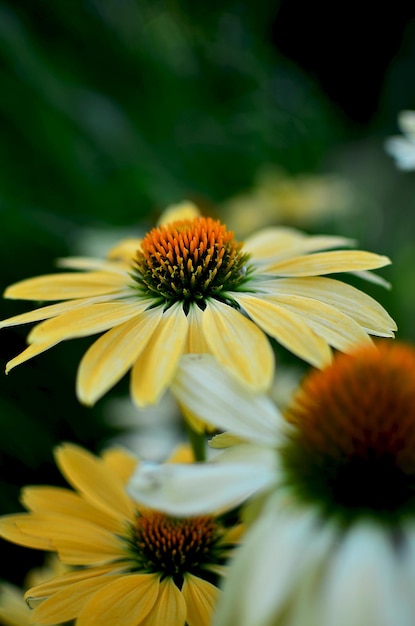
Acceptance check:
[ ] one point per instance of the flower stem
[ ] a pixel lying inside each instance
(198, 443)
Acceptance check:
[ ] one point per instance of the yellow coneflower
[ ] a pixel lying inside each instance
(133, 566)
(189, 287)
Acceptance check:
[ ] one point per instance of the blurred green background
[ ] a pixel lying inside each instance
(112, 109)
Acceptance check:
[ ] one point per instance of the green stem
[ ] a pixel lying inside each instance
(198, 443)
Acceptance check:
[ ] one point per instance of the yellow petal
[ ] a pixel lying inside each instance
(52, 310)
(329, 263)
(181, 454)
(351, 301)
(154, 369)
(238, 345)
(57, 500)
(126, 602)
(85, 321)
(287, 328)
(66, 286)
(336, 328)
(283, 243)
(87, 263)
(67, 603)
(169, 608)
(201, 597)
(13, 609)
(182, 211)
(93, 478)
(42, 591)
(29, 353)
(271, 241)
(78, 542)
(121, 462)
(196, 341)
(112, 355)
(126, 250)
(10, 530)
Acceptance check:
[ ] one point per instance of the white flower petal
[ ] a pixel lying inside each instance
(403, 151)
(361, 582)
(278, 550)
(208, 391)
(224, 483)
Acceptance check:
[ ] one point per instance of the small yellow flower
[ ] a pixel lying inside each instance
(189, 287)
(133, 565)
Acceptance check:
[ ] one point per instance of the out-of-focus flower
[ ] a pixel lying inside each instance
(189, 287)
(402, 149)
(277, 198)
(149, 432)
(333, 536)
(133, 566)
(13, 609)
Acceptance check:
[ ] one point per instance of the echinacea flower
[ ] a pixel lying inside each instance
(132, 565)
(189, 287)
(333, 536)
(402, 148)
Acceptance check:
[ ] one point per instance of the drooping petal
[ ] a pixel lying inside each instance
(29, 353)
(155, 367)
(52, 310)
(215, 397)
(169, 608)
(222, 484)
(112, 355)
(67, 603)
(329, 263)
(349, 300)
(239, 345)
(125, 601)
(200, 596)
(85, 321)
(288, 328)
(93, 478)
(66, 286)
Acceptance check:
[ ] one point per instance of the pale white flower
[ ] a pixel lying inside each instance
(402, 148)
(332, 542)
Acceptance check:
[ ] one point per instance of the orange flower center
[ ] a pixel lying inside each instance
(353, 447)
(173, 546)
(190, 260)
